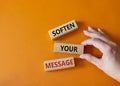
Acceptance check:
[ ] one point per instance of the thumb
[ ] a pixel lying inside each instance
(90, 58)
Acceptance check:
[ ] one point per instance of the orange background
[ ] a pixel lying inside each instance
(25, 43)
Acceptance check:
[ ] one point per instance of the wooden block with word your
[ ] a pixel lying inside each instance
(68, 48)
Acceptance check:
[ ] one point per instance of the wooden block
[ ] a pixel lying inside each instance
(69, 48)
(63, 29)
(59, 64)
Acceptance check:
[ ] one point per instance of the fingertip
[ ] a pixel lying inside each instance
(100, 30)
(82, 56)
(84, 31)
(83, 43)
(89, 27)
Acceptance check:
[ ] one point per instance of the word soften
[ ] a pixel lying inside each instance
(63, 29)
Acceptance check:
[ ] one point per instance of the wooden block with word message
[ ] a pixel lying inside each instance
(57, 64)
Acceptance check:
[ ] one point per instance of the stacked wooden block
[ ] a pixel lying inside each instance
(66, 62)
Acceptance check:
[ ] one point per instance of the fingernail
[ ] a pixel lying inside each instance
(81, 56)
(99, 29)
(89, 27)
(84, 31)
(82, 42)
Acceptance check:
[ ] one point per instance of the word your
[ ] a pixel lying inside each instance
(68, 48)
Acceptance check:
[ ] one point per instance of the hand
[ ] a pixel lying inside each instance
(110, 61)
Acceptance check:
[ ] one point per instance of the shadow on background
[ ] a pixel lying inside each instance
(92, 50)
(79, 63)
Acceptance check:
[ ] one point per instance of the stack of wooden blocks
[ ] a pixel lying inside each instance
(67, 62)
